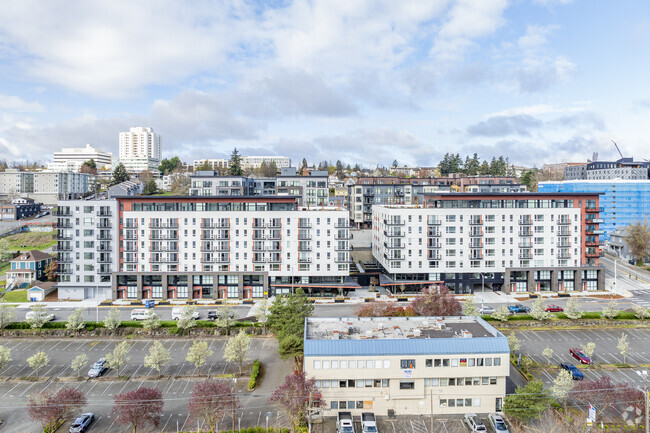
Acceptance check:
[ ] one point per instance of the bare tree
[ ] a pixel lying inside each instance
(638, 240)
(139, 407)
(211, 400)
(51, 408)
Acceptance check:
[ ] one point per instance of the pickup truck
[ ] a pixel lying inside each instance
(368, 422)
(344, 422)
(518, 308)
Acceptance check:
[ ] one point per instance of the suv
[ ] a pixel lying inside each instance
(83, 421)
(98, 368)
(474, 423)
(498, 423)
(32, 315)
(518, 308)
(344, 423)
(575, 373)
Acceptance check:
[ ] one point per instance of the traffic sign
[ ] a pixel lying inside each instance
(592, 413)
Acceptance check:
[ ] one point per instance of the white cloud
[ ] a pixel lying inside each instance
(535, 37)
(18, 105)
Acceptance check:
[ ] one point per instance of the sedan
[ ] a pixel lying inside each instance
(99, 368)
(486, 310)
(575, 373)
(580, 356)
(83, 421)
(554, 309)
(498, 423)
(32, 315)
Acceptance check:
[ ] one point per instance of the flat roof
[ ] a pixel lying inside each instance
(370, 336)
(523, 195)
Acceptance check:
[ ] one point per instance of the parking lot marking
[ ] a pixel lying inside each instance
(28, 388)
(168, 419)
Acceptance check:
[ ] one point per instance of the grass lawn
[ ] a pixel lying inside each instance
(15, 296)
(31, 241)
(4, 267)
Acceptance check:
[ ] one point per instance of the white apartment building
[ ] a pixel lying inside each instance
(216, 247)
(407, 365)
(254, 162)
(140, 149)
(71, 158)
(470, 242)
(215, 164)
(44, 187)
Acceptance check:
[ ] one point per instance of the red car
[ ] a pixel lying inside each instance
(554, 309)
(580, 356)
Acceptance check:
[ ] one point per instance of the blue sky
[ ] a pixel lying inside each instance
(362, 81)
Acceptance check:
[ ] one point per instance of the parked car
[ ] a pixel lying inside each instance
(498, 423)
(83, 421)
(212, 315)
(344, 423)
(485, 310)
(576, 374)
(580, 356)
(368, 422)
(32, 315)
(140, 314)
(518, 308)
(98, 368)
(554, 308)
(475, 423)
(177, 313)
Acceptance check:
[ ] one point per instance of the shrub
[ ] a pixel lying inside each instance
(255, 371)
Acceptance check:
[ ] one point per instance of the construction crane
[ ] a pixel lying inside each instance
(619, 150)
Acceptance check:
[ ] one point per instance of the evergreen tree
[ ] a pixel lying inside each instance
(303, 165)
(339, 169)
(120, 174)
(484, 169)
(235, 164)
(169, 165)
(204, 166)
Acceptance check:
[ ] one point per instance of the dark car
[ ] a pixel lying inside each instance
(100, 367)
(518, 308)
(554, 309)
(81, 424)
(212, 315)
(575, 373)
(580, 356)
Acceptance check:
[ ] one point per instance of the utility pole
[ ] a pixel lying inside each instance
(234, 389)
(309, 412)
(644, 376)
(431, 414)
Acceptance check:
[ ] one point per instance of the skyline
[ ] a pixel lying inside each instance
(369, 82)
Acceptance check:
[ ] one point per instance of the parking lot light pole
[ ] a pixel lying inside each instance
(644, 375)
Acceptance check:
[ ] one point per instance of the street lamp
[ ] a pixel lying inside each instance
(644, 375)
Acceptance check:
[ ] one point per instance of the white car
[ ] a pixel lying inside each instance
(486, 310)
(32, 315)
(498, 423)
(474, 423)
(177, 313)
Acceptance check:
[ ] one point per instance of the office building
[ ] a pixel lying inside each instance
(203, 248)
(44, 187)
(140, 149)
(471, 242)
(624, 168)
(18, 209)
(72, 158)
(622, 202)
(407, 365)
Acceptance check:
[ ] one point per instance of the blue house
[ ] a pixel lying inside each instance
(28, 267)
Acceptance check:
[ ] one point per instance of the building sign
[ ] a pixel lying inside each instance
(367, 404)
(592, 413)
(463, 362)
(408, 373)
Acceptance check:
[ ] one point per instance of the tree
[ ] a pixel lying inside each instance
(5, 249)
(294, 396)
(168, 165)
(152, 322)
(562, 385)
(530, 179)
(513, 342)
(52, 409)
(339, 169)
(149, 185)
(38, 361)
(262, 311)
(538, 311)
(7, 314)
(199, 354)
(204, 166)
(548, 354)
(623, 346)
(40, 316)
(76, 320)
(139, 407)
(287, 317)
(502, 314)
(436, 301)
(588, 349)
(383, 309)
(611, 310)
(118, 357)
(186, 320)
(158, 357)
(640, 311)
(211, 400)
(604, 394)
(303, 166)
(237, 348)
(79, 362)
(5, 356)
(120, 174)
(52, 271)
(235, 163)
(89, 167)
(472, 165)
(395, 164)
(225, 317)
(528, 402)
(638, 240)
(469, 307)
(572, 309)
(180, 184)
(112, 320)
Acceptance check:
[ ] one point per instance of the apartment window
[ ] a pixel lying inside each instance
(156, 292)
(406, 384)
(406, 363)
(428, 363)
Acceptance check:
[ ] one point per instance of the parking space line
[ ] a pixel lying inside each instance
(28, 388)
(168, 419)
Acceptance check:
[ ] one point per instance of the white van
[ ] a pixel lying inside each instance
(140, 314)
(177, 313)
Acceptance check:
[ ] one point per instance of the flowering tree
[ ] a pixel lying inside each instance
(294, 395)
(436, 301)
(604, 394)
(51, 408)
(139, 407)
(383, 309)
(211, 400)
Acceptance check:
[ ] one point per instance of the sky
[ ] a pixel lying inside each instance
(368, 82)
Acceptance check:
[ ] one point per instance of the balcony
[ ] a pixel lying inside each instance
(345, 225)
(165, 237)
(563, 255)
(109, 249)
(591, 209)
(104, 258)
(595, 221)
(476, 243)
(592, 254)
(63, 212)
(347, 248)
(564, 233)
(345, 237)
(64, 258)
(130, 226)
(563, 221)
(304, 247)
(62, 248)
(525, 232)
(475, 220)
(274, 236)
(525, 256)
(259, 259)
(220, 259)
(341, 260)
(64, 271)
(64, 236)
(393, 246)
(394, 222)
(525, 243)
(304, 237)
(274, 224)
(105, 224)
(387, 257)
(305, 225)
(475, 233)
(564, 244)
(435, 232)
(526, 221)
(64, 225)
(432, 245)
(594, 232)
(103, 213)
(104, 270)
(591, 243)
(434, 222)
(434, 255)
(393, 234)
(304, 259)
(165, 225)
(215, 225)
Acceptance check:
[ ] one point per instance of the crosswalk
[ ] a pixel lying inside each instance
(641, 297)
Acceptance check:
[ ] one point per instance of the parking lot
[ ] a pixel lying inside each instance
(176, 384)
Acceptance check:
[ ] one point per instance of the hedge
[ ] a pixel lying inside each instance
(256, 429)
(255, 371)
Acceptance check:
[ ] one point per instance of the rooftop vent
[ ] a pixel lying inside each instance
(466, 334)
(417, 333)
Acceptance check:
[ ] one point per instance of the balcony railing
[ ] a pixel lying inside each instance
(394, 222)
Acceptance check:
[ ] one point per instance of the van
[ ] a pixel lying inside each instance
(140, 314)
(177, 313)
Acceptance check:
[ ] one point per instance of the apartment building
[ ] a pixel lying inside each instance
(407, 365)
(71, 158)
(622, 202)
(471, 242)
(369, 191)
(624, 168)
(255, 162)
(44, 187)
(140, 149)
(207, 247)
(219, 164)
